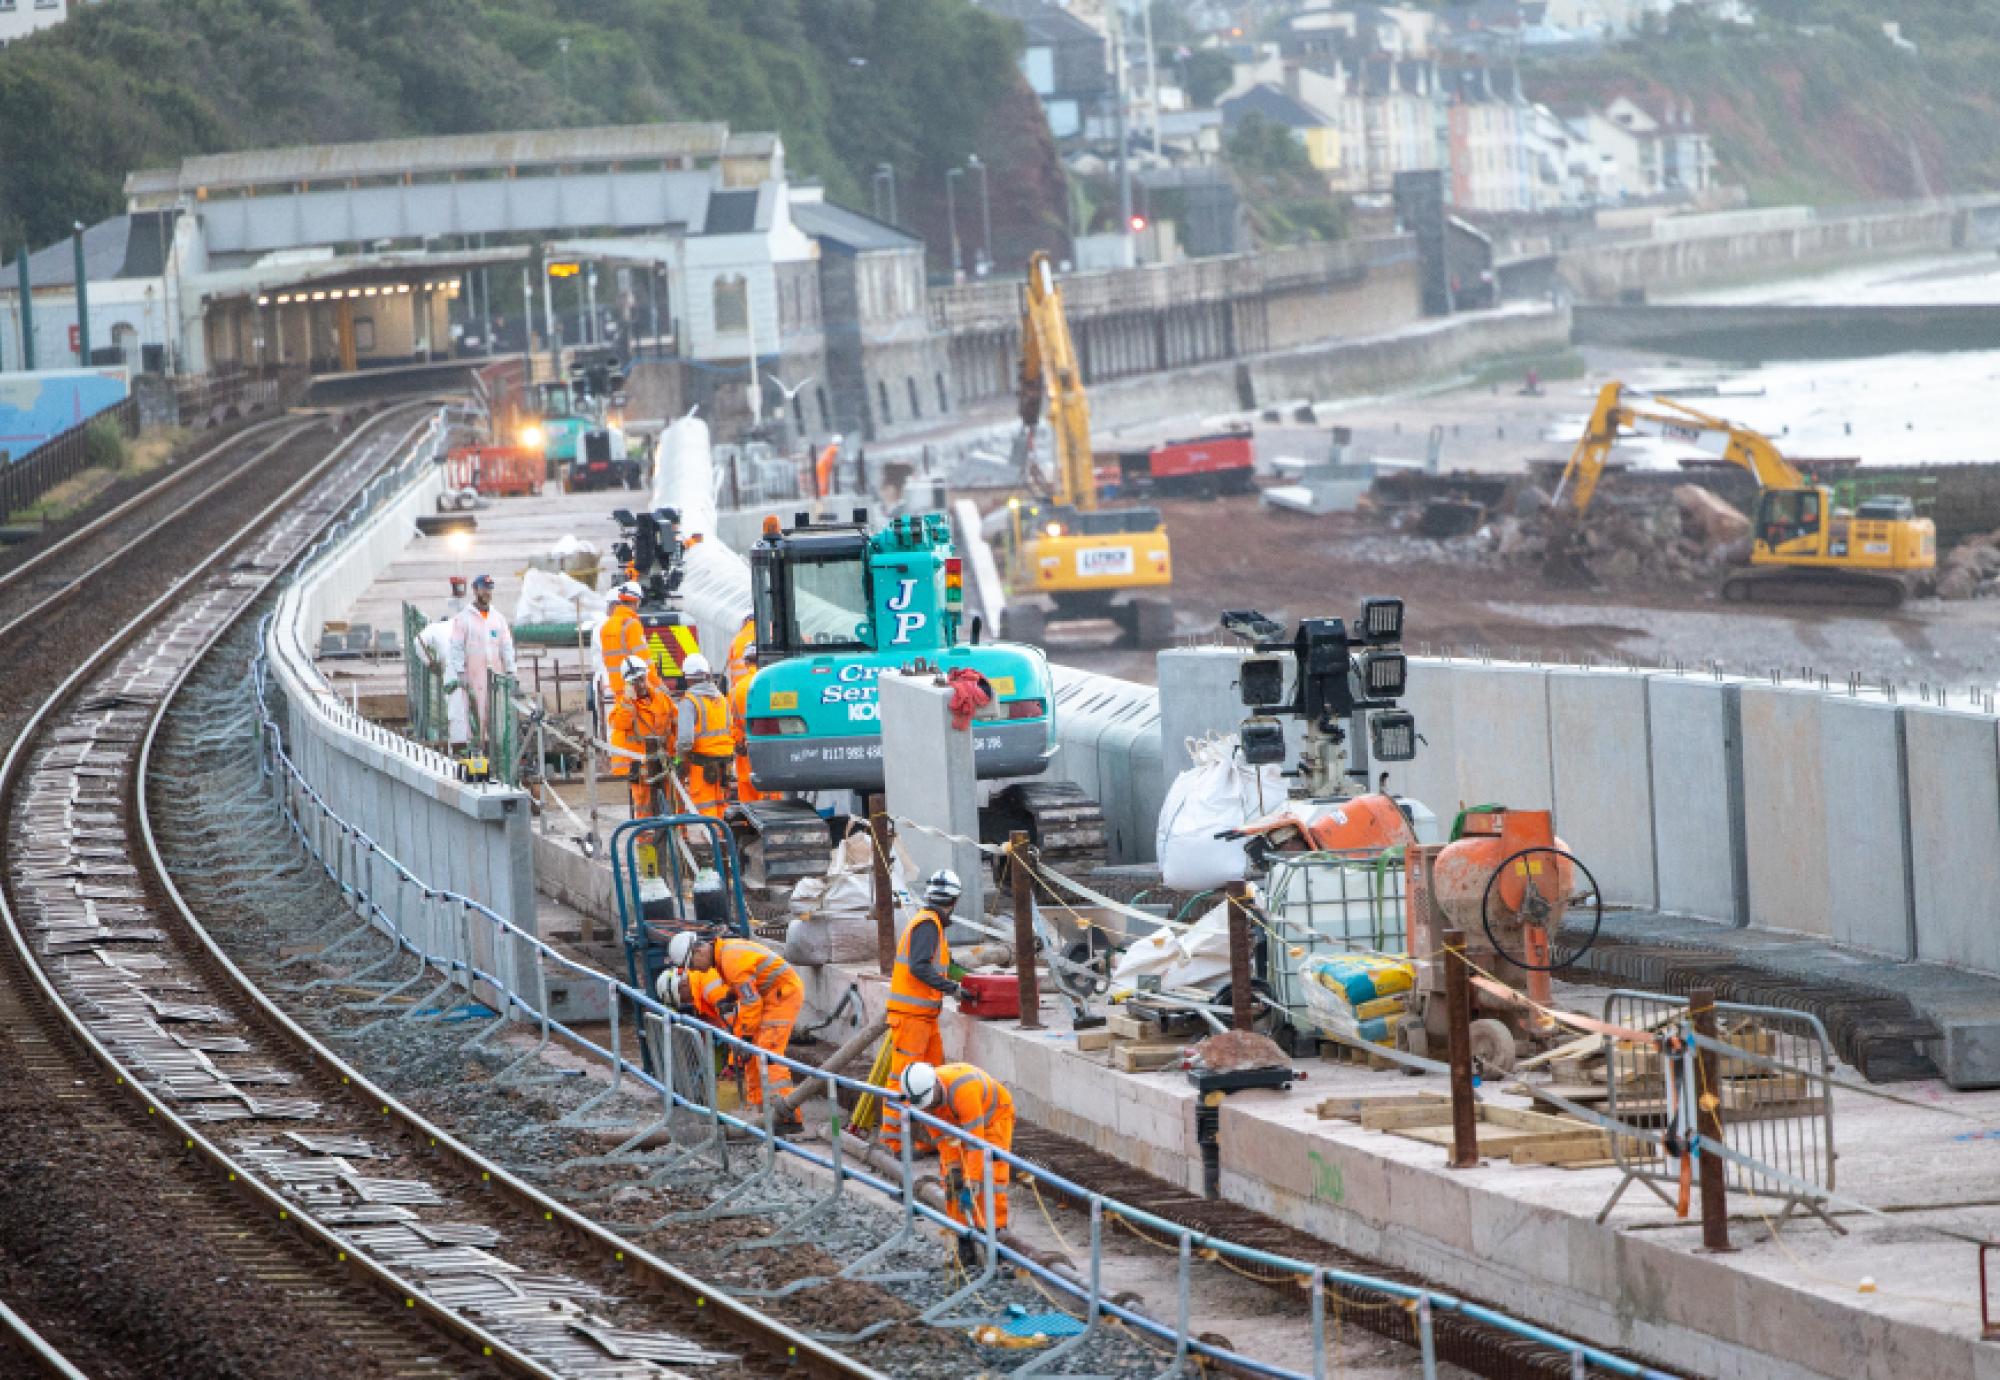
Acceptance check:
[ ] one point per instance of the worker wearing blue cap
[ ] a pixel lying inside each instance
(481, 642)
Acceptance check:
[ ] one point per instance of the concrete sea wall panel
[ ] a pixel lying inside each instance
(930, 780)
(1698, 797)
(1501, 728)
(1432, 776)
(1865, 794)
(1785, 810)
(1954, 794)
(1600, 733)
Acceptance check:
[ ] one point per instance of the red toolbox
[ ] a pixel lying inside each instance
(990, 996)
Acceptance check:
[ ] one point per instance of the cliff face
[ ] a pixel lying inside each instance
(1825, 111)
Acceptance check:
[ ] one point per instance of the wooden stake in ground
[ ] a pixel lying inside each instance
(882, 839)
(1458, 1016)
(1024, 931)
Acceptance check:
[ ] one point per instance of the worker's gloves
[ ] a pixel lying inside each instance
(451, 685)
(953, 989)
(954, 1187)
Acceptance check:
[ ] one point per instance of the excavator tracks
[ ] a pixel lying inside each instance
(1813, 585)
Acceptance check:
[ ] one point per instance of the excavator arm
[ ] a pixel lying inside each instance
(1613, 417)
(1051, 377)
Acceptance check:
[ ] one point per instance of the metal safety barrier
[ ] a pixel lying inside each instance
(423, 681)
(1775, 1100)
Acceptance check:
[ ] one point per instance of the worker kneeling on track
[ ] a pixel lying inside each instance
(978, 1104)
(708, 745)
(918, 986)
(643, 711)
(760, 1004)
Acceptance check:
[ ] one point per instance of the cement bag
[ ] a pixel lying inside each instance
(550, 597)
(1194, 957)
(684, 475)
(1216, 794)
(833, 917)
(1359, 995)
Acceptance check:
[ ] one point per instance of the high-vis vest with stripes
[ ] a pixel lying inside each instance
(971, 1096)
(751, 970)
(909, 994)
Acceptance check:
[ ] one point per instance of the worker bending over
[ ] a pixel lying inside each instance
(760, 1005)
(978, 1104)
(620, 638)
(644, 711)
(707, 745)
(918, 985)
(739, 715)
(700, 995)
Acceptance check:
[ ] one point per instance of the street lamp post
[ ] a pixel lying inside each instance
(985, 261)
(951, 177)
(82, 296)
(886, 173)
(562, 46)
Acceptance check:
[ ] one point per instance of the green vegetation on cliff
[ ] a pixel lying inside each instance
(848, 84)
(1814, 102)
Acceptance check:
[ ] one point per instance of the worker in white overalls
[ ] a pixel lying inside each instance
(480, 642)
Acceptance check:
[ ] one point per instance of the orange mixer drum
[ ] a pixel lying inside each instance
(1364, 824)
(1462, 871)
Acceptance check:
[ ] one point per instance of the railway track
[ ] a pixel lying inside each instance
(352, 1235)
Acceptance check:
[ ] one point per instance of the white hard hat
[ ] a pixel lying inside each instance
(669, 988)
(696, 665)
(920, 1085)
(750, 651)
(942, 887)
(635, 668)
(680, 948)
(628, 593)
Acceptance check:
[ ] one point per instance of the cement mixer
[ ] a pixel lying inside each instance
(1527, 906)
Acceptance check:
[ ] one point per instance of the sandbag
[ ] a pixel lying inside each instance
(833, 917)
(1217, 794)
(548, 596)
(1193, 958)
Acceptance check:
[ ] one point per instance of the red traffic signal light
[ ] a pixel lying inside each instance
(1138, 224)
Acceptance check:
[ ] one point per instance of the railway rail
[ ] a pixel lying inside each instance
(414, 1253)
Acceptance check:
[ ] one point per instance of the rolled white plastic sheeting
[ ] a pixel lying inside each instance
(684, 475)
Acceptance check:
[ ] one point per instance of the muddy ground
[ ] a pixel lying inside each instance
(1237, 553)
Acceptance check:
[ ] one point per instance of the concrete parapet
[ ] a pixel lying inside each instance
(1501, 731)
(1954, 801)
(1785, 809)
(931, 781)
(1865, 788)
(1698, 797)
(1600, 733)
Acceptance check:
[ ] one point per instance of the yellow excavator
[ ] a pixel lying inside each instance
(1087, 561)
(1803, 549)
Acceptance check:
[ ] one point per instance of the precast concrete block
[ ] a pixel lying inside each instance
(1867, 803)
(1432, 775)
(1698, 845)
(1501, 723)
(1109, 732)
(1785, 810)
(930, 780)
(1200, 695)
(1954, 795)
(1600, 733)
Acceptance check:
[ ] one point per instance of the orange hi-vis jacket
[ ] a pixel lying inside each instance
(909, 995)
(620, 635)
(712, 735)
(738, 668)
(634, 721)
(707, 994)
(973, 1100)
(753, 975)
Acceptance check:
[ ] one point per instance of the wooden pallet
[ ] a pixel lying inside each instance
(1509, 1133)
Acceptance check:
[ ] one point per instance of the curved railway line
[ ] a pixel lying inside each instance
(193, 1182)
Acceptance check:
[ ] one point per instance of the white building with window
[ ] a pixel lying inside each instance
(19, 18)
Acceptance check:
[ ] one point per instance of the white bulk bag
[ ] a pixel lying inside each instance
(1218, 793)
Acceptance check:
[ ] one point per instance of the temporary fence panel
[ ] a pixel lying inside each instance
(1328, 903)
(423, 681)
(503, 728)
(496, 471)
(1775, 1102)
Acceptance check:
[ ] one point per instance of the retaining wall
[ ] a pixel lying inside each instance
(470, 839)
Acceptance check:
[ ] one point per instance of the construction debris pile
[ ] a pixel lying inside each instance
(1971, 570)
(1641, 537)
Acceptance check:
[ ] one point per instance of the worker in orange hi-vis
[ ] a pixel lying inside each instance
(644, 711)
(739, 666)
(978, 1104)
(700, 995)
(823, 468)
(761, 1004)
(707, 743)
(620, 637)
(739, 715)
(918, 985)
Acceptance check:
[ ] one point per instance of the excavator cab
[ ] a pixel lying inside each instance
(1788, 516)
